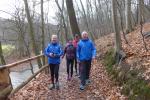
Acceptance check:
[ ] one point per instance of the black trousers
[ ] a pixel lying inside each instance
(54, 69)
(75, 61)
(85, 67)
(70, 63)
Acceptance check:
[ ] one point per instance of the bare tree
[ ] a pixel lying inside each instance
(62, 17)
(42, 28)
(86, 18)
(1, 56)
(128, 16)
(72, 18)
(121, 23)
(116, 30)
(35, 49)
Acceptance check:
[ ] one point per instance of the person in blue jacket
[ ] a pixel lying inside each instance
(54, 51)
(86, 52)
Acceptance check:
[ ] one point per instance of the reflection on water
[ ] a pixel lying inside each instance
(19, 77)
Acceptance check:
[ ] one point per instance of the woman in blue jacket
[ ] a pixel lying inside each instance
(86, 52)
(54, 52)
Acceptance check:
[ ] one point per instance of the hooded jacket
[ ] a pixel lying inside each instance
(56, 50)
(85, 50)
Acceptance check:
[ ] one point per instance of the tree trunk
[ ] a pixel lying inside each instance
(35, 49)
(1, 56)
(128, 16)
(139, 11)
(116, 30)
(42, 27)
(5, 84)
(63, 19)
(87, 19)
(72, 18)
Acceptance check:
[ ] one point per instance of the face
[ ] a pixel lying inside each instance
(54, 39)
(70, 42)
(85, 35)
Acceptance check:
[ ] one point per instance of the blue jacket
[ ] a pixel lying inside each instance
(56, 50)
(85, 50)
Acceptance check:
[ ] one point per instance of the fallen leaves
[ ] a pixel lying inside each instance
(101, 88)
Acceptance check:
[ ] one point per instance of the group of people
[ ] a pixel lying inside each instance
(78, 52)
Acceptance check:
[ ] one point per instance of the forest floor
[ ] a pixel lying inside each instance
(101, 87)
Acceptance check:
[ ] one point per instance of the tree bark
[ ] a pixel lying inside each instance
(116, 30)
(128, 16)
(42, 28)
(63, 19)
(1, 56)
(72, 18)
(35, 49)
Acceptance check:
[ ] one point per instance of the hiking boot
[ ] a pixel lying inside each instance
(68, 78)
(79, 76)
(88, 81)
(82, 87)
(76, 74)
(57, 85)
(51, 86)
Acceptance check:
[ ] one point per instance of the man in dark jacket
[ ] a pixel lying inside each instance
(70, 52)
(53, 52)
(86, 52)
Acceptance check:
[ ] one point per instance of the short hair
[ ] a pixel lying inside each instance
(76, 36)
(84, 32)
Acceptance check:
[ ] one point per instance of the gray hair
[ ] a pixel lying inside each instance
(84, 32)
(53, 36)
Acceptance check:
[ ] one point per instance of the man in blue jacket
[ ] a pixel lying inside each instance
(86, 52)
(53, 52)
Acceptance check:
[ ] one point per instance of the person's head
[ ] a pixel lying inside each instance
(84, 35)
(54, 39)
(76, 37)
(70, 41)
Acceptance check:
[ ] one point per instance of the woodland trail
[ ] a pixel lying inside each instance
(101, 87)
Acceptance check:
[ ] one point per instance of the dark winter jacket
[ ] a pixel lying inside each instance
(70, 51)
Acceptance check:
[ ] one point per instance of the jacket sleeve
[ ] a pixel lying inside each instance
(78, 51)
(93, 50)
(60, 52)
(64, 51)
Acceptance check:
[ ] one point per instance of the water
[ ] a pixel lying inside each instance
(19, 77)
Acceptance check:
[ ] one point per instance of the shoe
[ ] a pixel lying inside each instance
(79, 76)
(76, 74)
(57, 85)
(68, 78)
(51, 86)
(82, 87)
(88, 81)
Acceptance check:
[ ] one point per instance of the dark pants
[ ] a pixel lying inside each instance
(54, 69)
(70, 63)
(75, 61)
(85, 67)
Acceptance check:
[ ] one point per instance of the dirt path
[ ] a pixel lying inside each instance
(101, 87)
